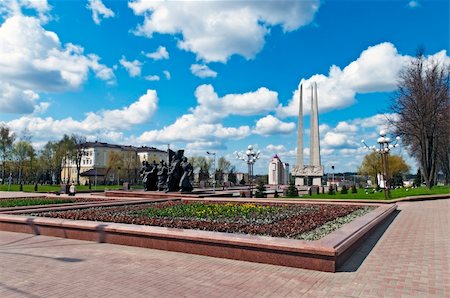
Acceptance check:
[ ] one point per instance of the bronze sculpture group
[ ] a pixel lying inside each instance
(163, 177)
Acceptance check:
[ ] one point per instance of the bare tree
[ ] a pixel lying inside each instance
(22, 151)
(79, 152)
(422, 104)
(6, 145)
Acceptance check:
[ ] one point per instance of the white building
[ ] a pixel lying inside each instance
(97, 156)
(278, 172)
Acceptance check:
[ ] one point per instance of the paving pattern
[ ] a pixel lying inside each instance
(407, 257)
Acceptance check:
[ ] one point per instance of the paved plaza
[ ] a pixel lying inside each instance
(407, 257)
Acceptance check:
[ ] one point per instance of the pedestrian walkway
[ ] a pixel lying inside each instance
(410, 259)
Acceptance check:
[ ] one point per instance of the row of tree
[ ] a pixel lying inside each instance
(204, 167)
(21, 163)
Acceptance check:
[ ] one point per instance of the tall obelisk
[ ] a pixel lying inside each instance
(314, 146)
(300, 127)
(314, 171)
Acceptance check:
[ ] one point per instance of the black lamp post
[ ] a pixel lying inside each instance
(384, 147)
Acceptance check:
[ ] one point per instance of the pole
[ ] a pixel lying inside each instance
(214, 180)
(332, 167)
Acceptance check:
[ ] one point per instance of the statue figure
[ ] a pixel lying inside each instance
(175, 172)
(162, 175)
(145, 170)
(185, 183)
(152, 177)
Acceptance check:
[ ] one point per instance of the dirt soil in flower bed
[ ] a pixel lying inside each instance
(276, 220)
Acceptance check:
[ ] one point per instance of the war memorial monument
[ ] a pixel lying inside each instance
(308, 174)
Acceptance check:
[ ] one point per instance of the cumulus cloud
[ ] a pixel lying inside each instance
(152, 78)
(15, 100)
(188, 128)
(203, 71)
(271, 125)
(32, 60)
(99, 11)
(211, 107)
(159, 54)
(105, 122)
(216, 30)
(9, 8)
(167, 74)
(35, 58)
(203, 123)
(275, 148)
(133, 68)
(375, 70)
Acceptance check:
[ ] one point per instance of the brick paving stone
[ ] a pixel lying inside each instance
(410, 259)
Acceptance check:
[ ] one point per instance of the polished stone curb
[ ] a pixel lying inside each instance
(325, 254)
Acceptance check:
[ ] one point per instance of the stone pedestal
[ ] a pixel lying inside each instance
(313, 175)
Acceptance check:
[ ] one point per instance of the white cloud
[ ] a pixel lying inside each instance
(275, 148)
(271, 125)
(99, 11)
(159, 54)
(212, 107)
(15, 100)
(35, 58)
(106, 122)
(344, 126)
(188, 128)
(152, 78)
(203, 71)
(32, 60)
(216, 30)
(203, 123)
(375, 70)
(133, 68)
(413, 4)
(167, 74)
(11, 8)
(336, 140)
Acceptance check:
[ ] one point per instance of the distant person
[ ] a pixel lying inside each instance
(72, 189)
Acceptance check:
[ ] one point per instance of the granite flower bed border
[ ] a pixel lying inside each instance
(325, 254)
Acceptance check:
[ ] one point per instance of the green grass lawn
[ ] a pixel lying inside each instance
(395, 193)
(53, 188)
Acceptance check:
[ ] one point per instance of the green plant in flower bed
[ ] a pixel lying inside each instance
(211, 211)
(333, 225)
(32, 201)
(276, 220)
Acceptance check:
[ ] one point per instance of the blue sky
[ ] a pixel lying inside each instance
(210, 75)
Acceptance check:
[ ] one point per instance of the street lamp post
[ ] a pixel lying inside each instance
(332, 167)
(250, 158)
(384, 147)
(214, 169)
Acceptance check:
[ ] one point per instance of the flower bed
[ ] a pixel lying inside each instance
(276, 220)
(5, 203)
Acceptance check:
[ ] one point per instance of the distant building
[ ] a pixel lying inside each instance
(94, 167)
(278, 172)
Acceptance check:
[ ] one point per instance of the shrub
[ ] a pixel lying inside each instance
(331, 191)
(344, 190)
(242, 182)
(354, 190)
(260, 189)
(292, 191)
